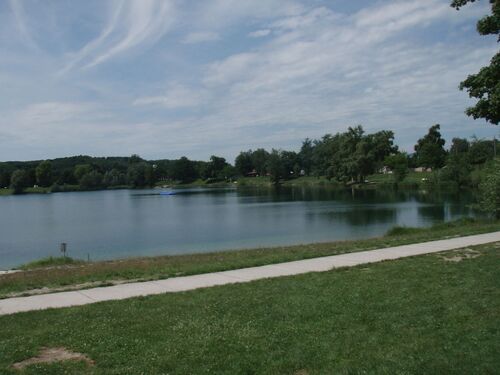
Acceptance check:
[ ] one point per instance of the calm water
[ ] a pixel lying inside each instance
(124, 223)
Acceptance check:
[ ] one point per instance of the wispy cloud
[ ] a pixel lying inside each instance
(21, 23)
(134, 76)
(259, 33)
(177, 96)
(200, 37)
(131, 24)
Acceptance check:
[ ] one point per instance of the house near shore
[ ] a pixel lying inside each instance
(252, 174)
(385, 170)
(422, 169)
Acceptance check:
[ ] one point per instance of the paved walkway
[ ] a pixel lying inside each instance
(180, 284)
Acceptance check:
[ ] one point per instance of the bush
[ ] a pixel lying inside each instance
(489, 189)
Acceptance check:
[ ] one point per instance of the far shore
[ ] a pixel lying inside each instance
(414, 180)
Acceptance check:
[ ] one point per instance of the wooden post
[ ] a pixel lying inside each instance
(63, 248)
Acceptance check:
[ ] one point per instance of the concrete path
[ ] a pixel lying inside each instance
(180, 284)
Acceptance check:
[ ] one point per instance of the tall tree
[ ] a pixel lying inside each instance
(275, 166)
(459, 146)
(485, 85)
(215, 167)
(19, 181)
(399, 165)
(306, 155)
(259, 160)
(243, 162)
(44, 173)
(429, 149)
(489, 189)
(184, 170)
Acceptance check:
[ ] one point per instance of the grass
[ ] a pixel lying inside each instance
(150, 268)
(37, 190)
(254, 181)
(50, 262)
(6, 191)
(420, 315)
(413, 179)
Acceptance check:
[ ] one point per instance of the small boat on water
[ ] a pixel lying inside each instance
(167, 193)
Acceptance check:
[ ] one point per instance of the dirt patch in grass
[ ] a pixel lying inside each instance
(459, 255)
(51, 355)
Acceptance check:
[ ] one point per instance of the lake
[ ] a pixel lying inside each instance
(126, 223)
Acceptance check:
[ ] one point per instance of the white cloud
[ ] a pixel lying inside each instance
(200, 37)
(231, 68)
(259, 33)
(177, 96)
(40, 114)
(394, 64)
(131, 24)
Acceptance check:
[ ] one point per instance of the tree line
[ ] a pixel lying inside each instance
(346, 157)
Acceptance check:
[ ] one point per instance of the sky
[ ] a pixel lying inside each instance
(171, 78)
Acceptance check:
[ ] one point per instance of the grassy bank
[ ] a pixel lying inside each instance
(50, 262)
(103, 273)
(413, 180)
(6, 192)
(431, 314)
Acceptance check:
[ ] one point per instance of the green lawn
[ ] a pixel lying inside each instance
(53, 275)
(420, 315)
(6, 191)
(413, 179)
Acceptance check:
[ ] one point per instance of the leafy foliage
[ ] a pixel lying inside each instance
(399, 165)
(19, 181)
(44, 173)
(430, 149)
(485, 85)
(490, 189)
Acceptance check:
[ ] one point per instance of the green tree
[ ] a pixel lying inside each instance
(306, 155)
(215, 167)
(382, 145)
(243, 162)
(323, 153)
(4, 175)
(259, 160)
(290, 160)
(275, 166)
(485, 85)
(113, 178)
(457, 170)
(481, 151)
(489, 189)
(19, 181)
(44, 173)
(398, 164)
(81, 170)
(184, 170)
(134, 158)
(91, 180)
(430, 150)
(228, 172)
(459, 146)
(140, 174)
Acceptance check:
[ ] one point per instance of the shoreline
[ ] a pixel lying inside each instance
(132, 289)
(52, 274)
(414, 181)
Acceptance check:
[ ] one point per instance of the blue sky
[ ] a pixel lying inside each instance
(167, 78)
